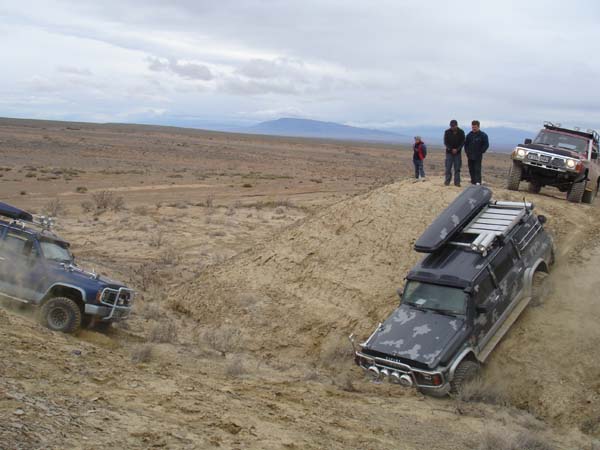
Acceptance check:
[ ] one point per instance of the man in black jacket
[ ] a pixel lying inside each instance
(476, 144)
(454, 139)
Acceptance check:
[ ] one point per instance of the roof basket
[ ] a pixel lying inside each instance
(497, 219)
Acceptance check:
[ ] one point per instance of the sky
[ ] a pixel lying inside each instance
(376, 64)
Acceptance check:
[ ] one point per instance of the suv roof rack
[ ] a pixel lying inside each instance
(22, 217)
(575, 130)
(497, 219)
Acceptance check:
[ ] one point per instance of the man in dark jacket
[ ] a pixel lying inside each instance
(476, 144)
(419, 154)
(454, 139)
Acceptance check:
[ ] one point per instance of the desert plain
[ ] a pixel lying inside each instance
(254, 257)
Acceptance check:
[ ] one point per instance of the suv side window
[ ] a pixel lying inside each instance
(16, 244)
(485, 287)
(503, 262)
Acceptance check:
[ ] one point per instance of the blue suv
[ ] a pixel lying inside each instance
(37, 267)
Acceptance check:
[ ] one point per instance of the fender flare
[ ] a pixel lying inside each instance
(541, 265)
(458, 359)
(46, 295)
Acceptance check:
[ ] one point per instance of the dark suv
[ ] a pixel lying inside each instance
(560, 157)
(486, 260)
(36, 267)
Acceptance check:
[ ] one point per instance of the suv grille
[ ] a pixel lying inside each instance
(109, 297)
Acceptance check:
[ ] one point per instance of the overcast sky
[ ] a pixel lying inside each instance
(379, 64)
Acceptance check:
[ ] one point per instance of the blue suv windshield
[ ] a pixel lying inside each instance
(443, 299)
(55, 252)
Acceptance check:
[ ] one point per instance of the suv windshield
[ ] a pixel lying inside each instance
(55, 252)
(443, 299)
(566, 141)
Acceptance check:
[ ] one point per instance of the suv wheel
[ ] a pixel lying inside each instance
(514, 176)
(589, 196)
(466, 371)
(61, 314)
(534, 187)
(576, 191)
(539, 288)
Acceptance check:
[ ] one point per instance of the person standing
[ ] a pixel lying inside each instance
(454, 139)
(476, 144)
(419, 154)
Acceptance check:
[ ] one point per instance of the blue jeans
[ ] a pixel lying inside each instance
(419, 170)
(456, 162)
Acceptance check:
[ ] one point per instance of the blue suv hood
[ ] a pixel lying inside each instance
(417, 335)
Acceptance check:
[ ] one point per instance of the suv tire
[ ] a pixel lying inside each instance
(466, 371)
(534, 187)
(514, 176)
(61, 314)
(539, 288)
(575, 193)
(589, 196)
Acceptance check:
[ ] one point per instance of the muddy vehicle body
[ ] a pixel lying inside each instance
(37, 268)
(485, 261)
(560, 157)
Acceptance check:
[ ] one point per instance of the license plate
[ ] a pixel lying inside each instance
(532, 156)
(544, 158)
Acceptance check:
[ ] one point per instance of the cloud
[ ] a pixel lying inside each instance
(184, 69)
(75, 70)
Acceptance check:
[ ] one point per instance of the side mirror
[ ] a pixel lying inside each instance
(481, 309)
(542, 219)
(527, 141)
(400, 292)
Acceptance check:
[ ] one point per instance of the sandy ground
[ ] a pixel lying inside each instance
(254, 258)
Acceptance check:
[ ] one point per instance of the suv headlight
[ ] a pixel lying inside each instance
(519, 153)
(571, 163)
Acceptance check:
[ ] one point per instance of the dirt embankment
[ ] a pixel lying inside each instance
(284, 309)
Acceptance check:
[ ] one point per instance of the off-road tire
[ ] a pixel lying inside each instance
(466, 371)
(61, 314)
(514, 176)
(575, 193)
(539, 288)
(534, 187)
(589, 196)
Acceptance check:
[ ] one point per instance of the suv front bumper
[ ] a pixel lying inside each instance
(380, 369)
(115, 304)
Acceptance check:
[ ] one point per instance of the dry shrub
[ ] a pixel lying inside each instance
(230, 211)
(217, 233)
(54, 208)
(81, 189)
(484, 391)
(210, 200)
(235, 368)
(157, 239)
(87, 206)
(141, 210)
(224, 340)
(523, 441)
(170, 257)
(141, 353)
(150, 311)
(105, 200)
(163, 332)
(144, 276)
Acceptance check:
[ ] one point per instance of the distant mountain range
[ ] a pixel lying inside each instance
(501, 138)
(327, 130)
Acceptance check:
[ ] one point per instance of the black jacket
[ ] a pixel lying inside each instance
(454, 140)
(476, 144)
